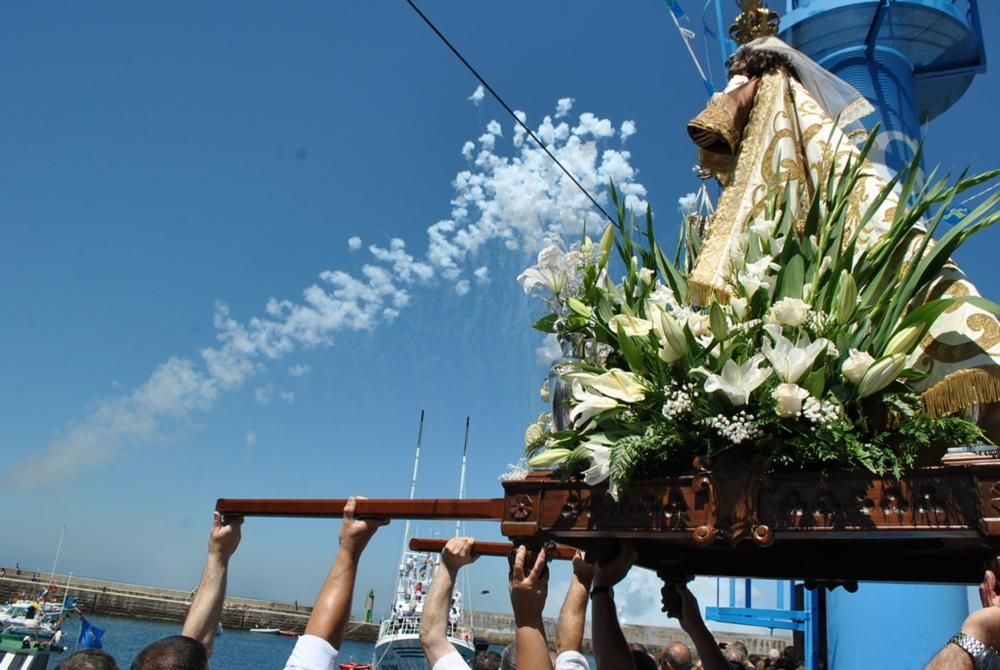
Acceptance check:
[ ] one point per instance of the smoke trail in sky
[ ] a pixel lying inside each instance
(511, 201)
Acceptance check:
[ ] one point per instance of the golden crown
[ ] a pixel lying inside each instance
(755, 20)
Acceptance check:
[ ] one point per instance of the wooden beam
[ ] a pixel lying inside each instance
(559, 551)
(400, 508)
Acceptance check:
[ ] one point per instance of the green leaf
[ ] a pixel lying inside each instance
(630, 352)
(546, 324)
(790, 279)
(717, 321)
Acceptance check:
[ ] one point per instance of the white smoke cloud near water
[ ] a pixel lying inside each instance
(513, 202)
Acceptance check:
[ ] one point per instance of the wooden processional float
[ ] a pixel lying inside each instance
(935, 525)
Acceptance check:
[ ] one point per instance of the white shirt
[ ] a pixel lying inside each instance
(571, 660)
(312, 653)
(452, 661)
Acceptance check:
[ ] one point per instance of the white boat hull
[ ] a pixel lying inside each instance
(403, 652)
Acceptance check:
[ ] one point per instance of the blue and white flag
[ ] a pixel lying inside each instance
(90, 635)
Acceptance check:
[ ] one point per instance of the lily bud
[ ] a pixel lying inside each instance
(882, 373)
(579, 307)
(607, 242)
(549, 458)
(846, 298)
(717, 321)
(674, 334)
(904, 341)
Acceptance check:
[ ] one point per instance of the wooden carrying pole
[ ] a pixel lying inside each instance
(393, 508)
(559, 551)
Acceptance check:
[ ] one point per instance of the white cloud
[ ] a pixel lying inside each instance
(467, 150)
(626, 131)
(299, 370)
(263, 394)
(563, 106)
(511, 196)
(548, 350)
(287, 396)
(250, 439)
(478, 95)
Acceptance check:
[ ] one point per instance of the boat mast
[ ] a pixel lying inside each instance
(461, 481)
(413, 481)
(52, 575)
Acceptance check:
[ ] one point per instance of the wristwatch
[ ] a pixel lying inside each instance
(983, 657)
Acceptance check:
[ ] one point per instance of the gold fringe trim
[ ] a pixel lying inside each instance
(701, 294)
(963, 389)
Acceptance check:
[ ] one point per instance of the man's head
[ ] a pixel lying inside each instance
(487, 660)
(508, 660)
(176, 652)
(88, 659)
(735, 655)
(676, 656)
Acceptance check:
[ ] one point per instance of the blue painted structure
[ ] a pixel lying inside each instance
(913, 59)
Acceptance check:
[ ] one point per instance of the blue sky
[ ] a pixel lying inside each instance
(159, 162)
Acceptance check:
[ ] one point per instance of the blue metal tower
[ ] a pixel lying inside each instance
(913, 59)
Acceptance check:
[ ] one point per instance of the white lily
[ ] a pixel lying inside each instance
(551, 271)
(856, 365)
(600, 464)
(589, 405)
(619, 384)
(739, 307)
(737, 381)
(632, 326)
(791, 362)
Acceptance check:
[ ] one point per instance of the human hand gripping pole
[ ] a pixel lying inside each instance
(457, 552)
(203, 617)
(528, 591)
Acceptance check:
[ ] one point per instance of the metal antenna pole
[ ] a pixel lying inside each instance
(461, 481)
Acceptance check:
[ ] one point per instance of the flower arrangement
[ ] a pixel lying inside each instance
(803, 361)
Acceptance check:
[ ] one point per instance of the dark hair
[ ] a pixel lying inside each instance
(176, 652)
(643, 661)
(758, 62)
(88, 659)
(486, 660)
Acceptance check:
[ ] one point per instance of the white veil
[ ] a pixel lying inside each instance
(838, 98)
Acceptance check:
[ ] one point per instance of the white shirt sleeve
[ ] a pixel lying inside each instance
(571, 660)
(312, 653)
(452, 661)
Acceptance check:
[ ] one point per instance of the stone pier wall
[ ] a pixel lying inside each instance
(97, 596)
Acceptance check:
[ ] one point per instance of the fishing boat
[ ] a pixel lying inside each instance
(36, 618)
(398, 644)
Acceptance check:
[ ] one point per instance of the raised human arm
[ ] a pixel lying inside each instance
(691, 622)
(527, 598)
(982, 625)
(434, 619)
(332, 610)
(610, 646)
(203, 617)
(573, 615)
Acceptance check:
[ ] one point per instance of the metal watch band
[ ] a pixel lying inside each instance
(983, 657)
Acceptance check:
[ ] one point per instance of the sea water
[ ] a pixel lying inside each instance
(234, 649)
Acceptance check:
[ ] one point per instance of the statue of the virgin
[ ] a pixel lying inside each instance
(784, 121)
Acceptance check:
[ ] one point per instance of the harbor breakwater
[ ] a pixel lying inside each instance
(99, 596)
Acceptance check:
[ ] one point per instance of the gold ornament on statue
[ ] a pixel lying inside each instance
(755, 20)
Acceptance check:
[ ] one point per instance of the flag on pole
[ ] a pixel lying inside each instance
(90, 635)
(676, 9)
